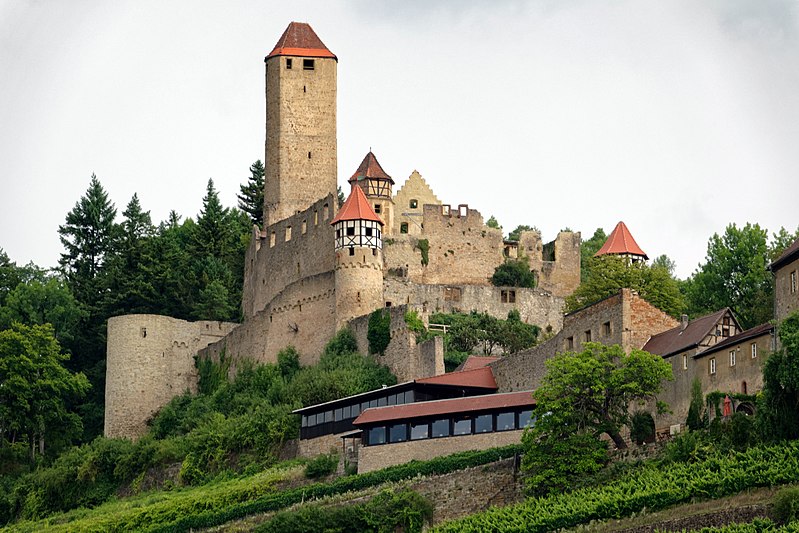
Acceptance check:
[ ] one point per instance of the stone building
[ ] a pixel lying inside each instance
(313, 268)
(786, 282)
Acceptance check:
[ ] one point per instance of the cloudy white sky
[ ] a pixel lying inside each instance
(677, 117)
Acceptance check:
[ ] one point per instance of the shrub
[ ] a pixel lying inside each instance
(642, 427)
(288, 361)
(514, 273)
(695, 420)
(321, 466)
(379, 331)
(786, 505)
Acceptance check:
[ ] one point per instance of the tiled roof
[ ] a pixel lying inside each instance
(445, 407)
(356, 208)
(300, 40)
(476, 361)
(790, 253)
(756, 331)
(478, 377)
(621, 242)
(370, 168)
(677, 339)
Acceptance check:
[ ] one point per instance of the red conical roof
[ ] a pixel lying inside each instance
(621, 242)
(300, 40)
(370, 168)
(356, 208)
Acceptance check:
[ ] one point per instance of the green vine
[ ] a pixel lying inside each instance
(715, 398)
(423, 246)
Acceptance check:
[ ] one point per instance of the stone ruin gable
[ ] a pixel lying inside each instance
(404, 357)
(609, 321)
(150, 361)
(534, 305)
(414, 188)
(557, 263)
(303, 315)
(284, 253)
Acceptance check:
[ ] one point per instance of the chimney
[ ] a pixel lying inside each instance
(683, 322)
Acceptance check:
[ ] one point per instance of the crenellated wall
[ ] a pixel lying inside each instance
(150, 360)
(284, 253)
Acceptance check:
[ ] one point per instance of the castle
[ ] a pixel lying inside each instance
(316, 267)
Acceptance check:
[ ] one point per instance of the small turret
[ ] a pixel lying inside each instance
(377, 186)
(621, 243)
(359, 258)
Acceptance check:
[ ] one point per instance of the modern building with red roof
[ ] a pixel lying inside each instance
(621, 243)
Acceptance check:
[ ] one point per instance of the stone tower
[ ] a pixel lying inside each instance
(378, 187)
(359, 258)
(300, 123)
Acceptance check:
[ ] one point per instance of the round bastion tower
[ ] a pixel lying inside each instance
(359, 259)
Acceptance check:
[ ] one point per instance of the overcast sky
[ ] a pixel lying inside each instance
(677, 117)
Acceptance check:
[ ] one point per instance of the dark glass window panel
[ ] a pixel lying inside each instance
(377, 436)
(398, 433)
(409, 396)
(484, 424)
(526, 419)
(506, 421)
(373, 403)
(351, 231)
(304, 421)
(346, 412)
(392, 399)
(381, 402)
(337, 414)
(441, 428)
(462, 426)
(420, 431)
(356, 410)
(328, 416)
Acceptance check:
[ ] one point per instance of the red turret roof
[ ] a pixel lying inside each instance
(621, 242)
(356, 208)
(299, 39)
(370, 168)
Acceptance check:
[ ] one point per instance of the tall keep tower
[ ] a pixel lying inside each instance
(377, 185)
(359, 259)
(301, 161)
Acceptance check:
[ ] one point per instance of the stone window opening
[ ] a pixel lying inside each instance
(288, 233)
(732, 357)
(388, 304)
(352, 251)
(507, 296)
(793, 282)
(743, 387)
(606, 330)
(404, 227)
(587, 336)
(324, 212)
(304, 227)
(315, 217)
(288, 63)
(685, 362)
(303, 88)
(754, 350)
(374, 252)
(452, 294)
(712, 364)
(309, 155)
(377, 209)
(570, 343)
(143, 333)
(272, 239)
(413, 204)
(308, 64)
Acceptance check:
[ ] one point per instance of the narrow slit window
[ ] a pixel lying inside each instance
(288, 63)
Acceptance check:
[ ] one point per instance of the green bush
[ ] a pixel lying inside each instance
(379, 331)
(785, 507)
(642, 427)
(514, 273)
(321, 466)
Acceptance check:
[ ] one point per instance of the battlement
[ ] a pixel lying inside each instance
(288, 251)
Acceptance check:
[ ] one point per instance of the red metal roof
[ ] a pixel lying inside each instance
(356, 208)
(478, 377)
(621, 242)
(300, 40)
(370, 168)
(476, 361)
(445, 407)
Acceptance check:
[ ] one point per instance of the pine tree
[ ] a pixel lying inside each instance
(251, 199)
(212, 235)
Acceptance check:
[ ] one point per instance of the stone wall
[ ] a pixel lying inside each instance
(303, 315)
(310, 448)
(554, 261)
(415, 188)
(301, 153)
(150, 361)
(377, 457)
(785, 301)
(287, 252)
(359, 283)
(535, 306)
(609, 321)
(471, 490)
(404, 357)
